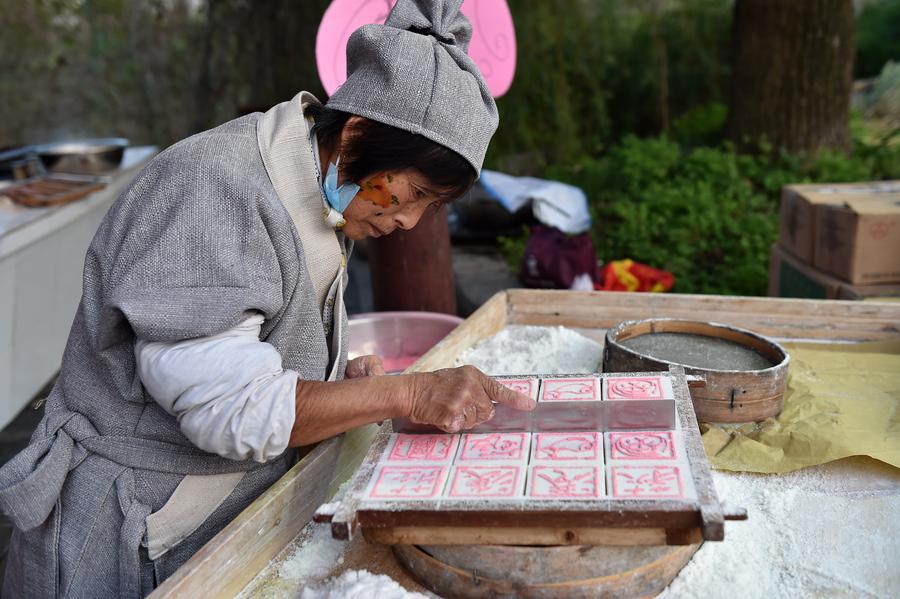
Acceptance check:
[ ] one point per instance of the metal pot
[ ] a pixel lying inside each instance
(398, 338)
(84, 156)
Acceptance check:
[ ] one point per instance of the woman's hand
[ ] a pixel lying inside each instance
(456, 399)
(452, 400)
(364, 366)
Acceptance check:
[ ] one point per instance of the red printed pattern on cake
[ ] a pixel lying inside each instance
(570, 390)
(409, 482)
(649, 445)
(634, 388)
(485, 481)
(567, 446)
(493, 446)
(565, 482)
(647, 482)
(422, 448)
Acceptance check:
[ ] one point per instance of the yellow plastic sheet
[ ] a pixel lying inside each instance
(842, 400)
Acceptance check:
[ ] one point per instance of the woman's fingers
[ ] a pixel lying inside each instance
(461, 398)
(453, 424)
(364, 366)
(506, 396)
(374, 366)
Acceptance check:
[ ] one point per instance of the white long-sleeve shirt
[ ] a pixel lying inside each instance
(228, 391)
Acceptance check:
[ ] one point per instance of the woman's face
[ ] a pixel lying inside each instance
(386, 202)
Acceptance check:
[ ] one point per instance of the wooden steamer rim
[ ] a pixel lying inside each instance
(492, 571)
(728, 395)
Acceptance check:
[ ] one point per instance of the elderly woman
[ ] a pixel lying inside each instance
(211, 335)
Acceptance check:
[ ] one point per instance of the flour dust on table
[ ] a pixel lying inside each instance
(548, 350)
(359, 584)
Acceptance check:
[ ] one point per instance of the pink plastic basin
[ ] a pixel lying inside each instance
(398, 338)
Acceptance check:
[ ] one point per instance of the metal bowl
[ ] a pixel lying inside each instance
(83, 156)
(398, 338)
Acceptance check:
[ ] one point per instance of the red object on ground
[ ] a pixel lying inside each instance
(628, 275)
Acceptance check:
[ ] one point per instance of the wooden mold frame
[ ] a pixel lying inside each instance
(524, 521)
(231, 559)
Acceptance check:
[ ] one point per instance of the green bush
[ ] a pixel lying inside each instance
(513, 249)
(877, 40)
(589, 72)
(703, 125)
(708, 214)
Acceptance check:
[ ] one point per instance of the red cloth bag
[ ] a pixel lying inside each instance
(553, 259)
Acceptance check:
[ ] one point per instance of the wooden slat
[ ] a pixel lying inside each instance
(599, 513)
(231, 559)
(450, 535)
(344, 521)
(775, 317)
(711, 513)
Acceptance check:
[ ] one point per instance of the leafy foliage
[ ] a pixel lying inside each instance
(707, 214)
(877, 39)
(513, 249)
(589, 72)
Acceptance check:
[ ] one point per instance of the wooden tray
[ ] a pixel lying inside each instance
(533, 522)
(243, 549)
(53, 190)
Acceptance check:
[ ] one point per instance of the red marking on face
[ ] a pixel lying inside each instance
(376, 190)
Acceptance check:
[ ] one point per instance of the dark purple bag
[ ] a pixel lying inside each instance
(553, 259)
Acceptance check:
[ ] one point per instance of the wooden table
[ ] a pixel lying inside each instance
(41, 265)
(233, 558)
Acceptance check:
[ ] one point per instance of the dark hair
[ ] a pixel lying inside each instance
(376, 148)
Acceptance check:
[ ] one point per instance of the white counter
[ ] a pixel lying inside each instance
(41, 261)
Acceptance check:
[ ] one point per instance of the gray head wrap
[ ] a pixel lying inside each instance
(413, 73)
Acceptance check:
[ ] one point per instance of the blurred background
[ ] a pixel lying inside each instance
(633, 101)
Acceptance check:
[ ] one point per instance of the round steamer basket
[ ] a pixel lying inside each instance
(492, 571)
(739, 395)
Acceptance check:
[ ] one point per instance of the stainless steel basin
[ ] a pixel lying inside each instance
(398, 338)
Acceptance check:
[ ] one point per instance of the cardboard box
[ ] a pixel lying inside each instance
(790, 277)
(796, 220)
(859, 241)
(798, 210)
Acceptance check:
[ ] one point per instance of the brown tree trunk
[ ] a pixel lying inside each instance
(412, 270)
(793, 73)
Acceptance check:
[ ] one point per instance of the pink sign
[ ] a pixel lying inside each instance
(565, 482)
(493, 45)
(651, 445)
